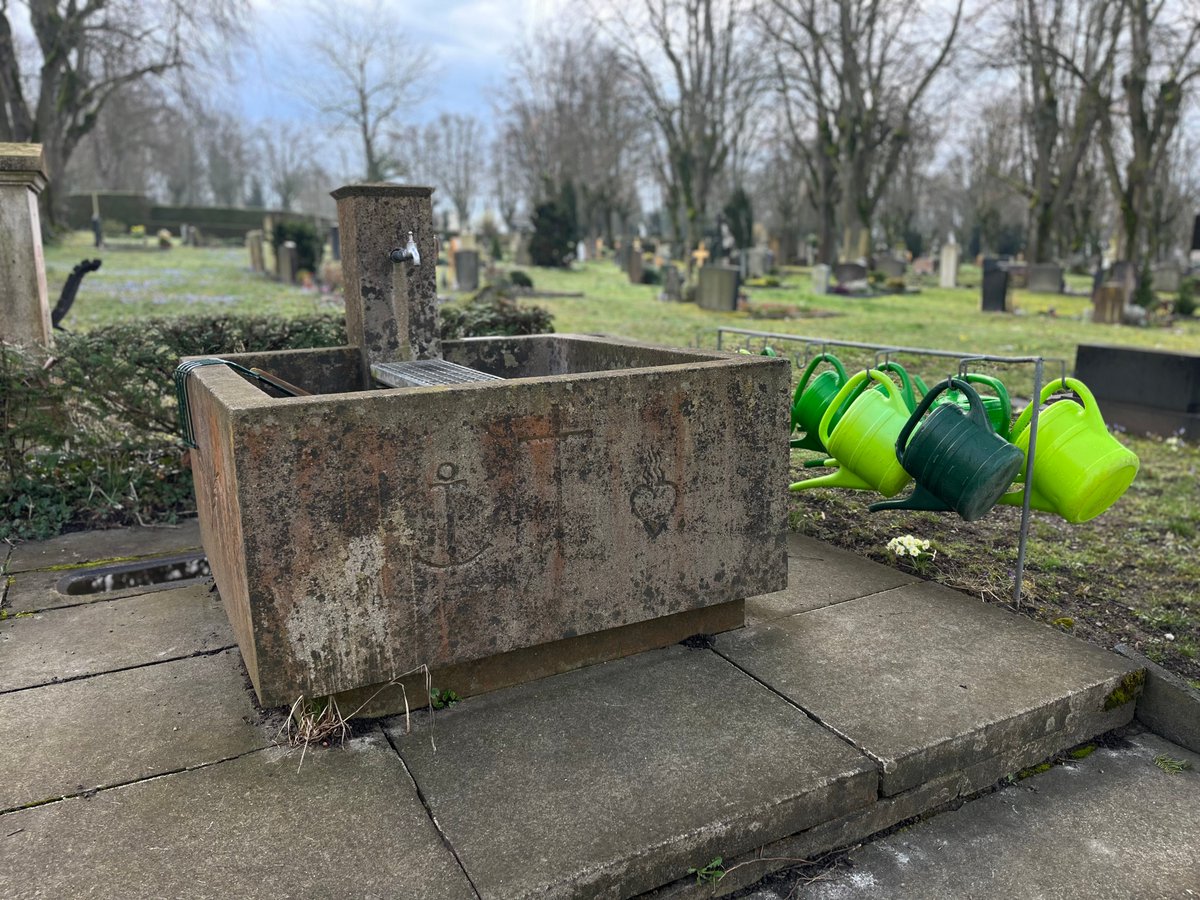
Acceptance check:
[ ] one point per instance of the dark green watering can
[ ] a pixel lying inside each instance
(998, 408)
(957, 460)
(811, 400)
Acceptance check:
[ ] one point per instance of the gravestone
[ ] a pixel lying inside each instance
(1045, 278)
(995, 289)
(948, 266)
(891, 267)
(636, 266)
(24, 301)
(254, 244)
(755, 262)
(287, 260)
(335, 243)
(622, 256)
(522, 256)
(1167, 277)
(581, 253)
(718, 288)
(848, 273)
(1145, 391)
(1108, 303)
(466, 268)
(820, 279)
(1196, 234)
(672, 283)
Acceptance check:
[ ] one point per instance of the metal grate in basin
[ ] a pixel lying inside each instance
(426, 373)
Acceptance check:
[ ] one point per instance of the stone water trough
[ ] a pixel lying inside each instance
(598, 498)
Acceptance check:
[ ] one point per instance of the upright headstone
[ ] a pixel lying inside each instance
(672, 283)
(995, 287)
(254, 244)
(466, 269)
(270, 263)
(891, 267)
(820, 279)
(335, 243)
(376, 219)
(849, 273)
(948, 266)
(1196, 234)
(1167, 277)
(756, 262)
(24, 302)
(287, 260)
(718, 288)
(1045, 278)
(581, 253)
(1108, 304)
(636, 267)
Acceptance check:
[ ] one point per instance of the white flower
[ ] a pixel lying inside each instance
(908, 545)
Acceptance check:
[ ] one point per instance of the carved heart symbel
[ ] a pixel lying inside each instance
(653, 504)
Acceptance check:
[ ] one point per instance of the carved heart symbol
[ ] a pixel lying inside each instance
(653, 505)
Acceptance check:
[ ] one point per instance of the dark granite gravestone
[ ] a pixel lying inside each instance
(1196, 234)
(845, 273)
(466, 269)
(636, 268)
(718, 288)
(1145, 391)
(995, 286)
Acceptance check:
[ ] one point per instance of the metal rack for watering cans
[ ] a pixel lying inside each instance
(963, 359)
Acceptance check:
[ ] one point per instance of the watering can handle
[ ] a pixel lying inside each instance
(812, 366)
(849, 393)
(1074, 384)
(977, 413)
(906, 385)
(996, 385)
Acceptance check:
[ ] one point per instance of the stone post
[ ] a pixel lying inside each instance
(24, 302)
(375, 219)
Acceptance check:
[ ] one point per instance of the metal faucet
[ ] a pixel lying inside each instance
(409, 254)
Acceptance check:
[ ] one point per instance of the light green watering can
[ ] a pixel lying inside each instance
(863, 442)
(957, 459)
(998, 408)
(811, 400)
(1080, 469)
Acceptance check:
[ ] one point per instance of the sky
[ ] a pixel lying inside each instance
(472, 41)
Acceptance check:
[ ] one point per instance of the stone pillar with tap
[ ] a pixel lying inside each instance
(24, 302)
(374, 220)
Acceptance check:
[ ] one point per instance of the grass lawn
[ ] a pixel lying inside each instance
(1131, 575)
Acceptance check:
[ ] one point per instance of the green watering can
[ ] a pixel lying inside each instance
(811, 400)
(957, 459)
(1081, 470)
(864, 439)
(906, 383)
(998, 408)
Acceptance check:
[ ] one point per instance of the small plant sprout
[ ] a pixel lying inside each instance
(443, 699)
(1170, 765)
(711, 873)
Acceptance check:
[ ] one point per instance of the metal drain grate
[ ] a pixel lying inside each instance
(427, 373)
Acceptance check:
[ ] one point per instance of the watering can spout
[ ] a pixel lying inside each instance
(920, 499)
(1036, 501)
(842, 478)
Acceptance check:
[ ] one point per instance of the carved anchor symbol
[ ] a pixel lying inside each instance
(446, 552)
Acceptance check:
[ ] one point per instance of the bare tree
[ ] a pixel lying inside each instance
(1064, 57)
(698, 78)
(86, 53)
(454, 155)
(287, 153)
(854, 73)
(1160, 61)
(372, 73)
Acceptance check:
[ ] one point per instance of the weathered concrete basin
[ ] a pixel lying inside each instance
(357, 534)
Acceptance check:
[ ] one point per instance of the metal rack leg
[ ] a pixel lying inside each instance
(1036, 400)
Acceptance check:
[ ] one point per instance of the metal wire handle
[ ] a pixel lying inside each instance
(185, 368)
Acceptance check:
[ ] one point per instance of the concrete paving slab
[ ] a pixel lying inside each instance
(1113, 825)
(820, 574)
(83, 547)
(35, 591)
(613, 780)
(349, 823)
(63, 739)
(102, 637)
(927, 681)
